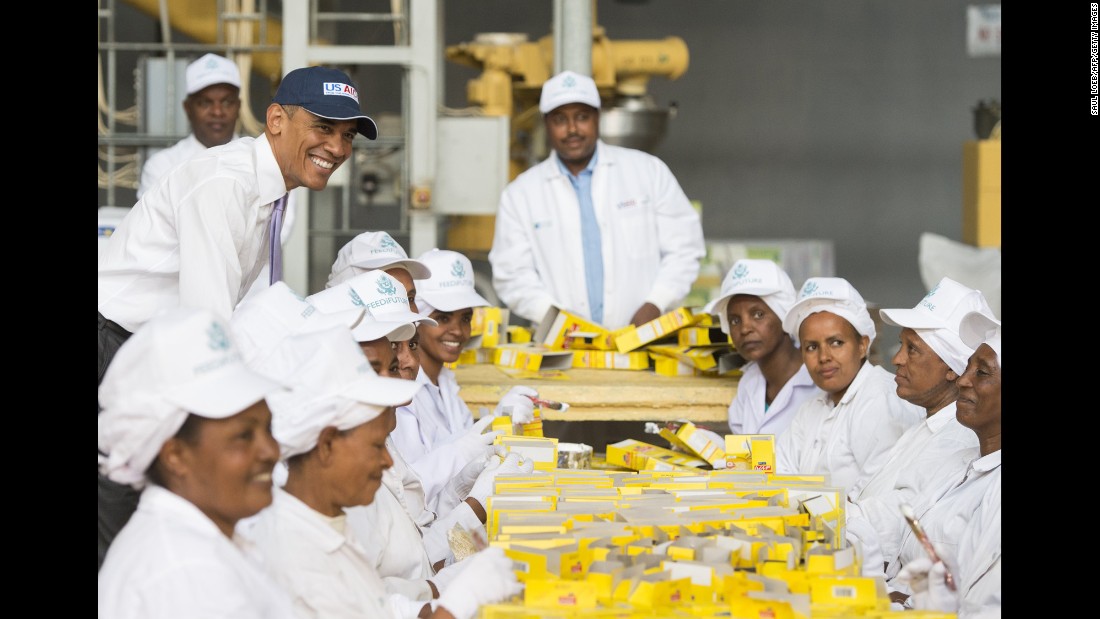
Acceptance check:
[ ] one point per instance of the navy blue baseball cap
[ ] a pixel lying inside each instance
(327, 93)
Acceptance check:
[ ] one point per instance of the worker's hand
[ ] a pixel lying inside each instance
(645, 313)
(444, 577)
(458, 487)
(487, 579)
(513, 464)
(473, 444)
(517, 403)
(926, 580)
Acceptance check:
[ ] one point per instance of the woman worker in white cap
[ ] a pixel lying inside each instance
(930, 359)
(847, 430)
(438, 415)
(184, 418)
(371, 251)
(399, 521)
(756, 296)
(332, 429)
(962, 517)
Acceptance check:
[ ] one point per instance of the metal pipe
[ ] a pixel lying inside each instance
(573, 36)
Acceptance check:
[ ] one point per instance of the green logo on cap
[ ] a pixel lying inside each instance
(385, 286)
(217, 338)
(457, 269)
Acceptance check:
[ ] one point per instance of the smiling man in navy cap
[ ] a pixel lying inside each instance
(202, 236)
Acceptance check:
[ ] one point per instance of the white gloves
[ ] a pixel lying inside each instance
(511, 465)
(458, 487)
(517, 404)
(445, 576)
(473, 445)
(926, 580)
(487, 579)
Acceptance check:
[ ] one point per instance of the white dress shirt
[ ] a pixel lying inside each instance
(746, 411)
(651, 236)
(199, 238)
(849, 440)
(171, 561)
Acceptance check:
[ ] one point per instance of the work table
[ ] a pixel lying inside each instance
(607, 395)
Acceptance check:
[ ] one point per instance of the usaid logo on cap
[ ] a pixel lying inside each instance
(458, 270)
(385, 286)
(569, 82)
(809, 288)
(339, 88)
(355, 300)
(385, 246)
(218, 341)
(217, 338)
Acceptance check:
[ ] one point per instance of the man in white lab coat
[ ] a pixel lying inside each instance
(600, 230)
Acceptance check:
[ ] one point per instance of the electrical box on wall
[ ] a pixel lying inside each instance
(472, 165)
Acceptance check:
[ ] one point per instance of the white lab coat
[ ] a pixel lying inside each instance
(393, 544)
(979, 558)
(914, 466)
(651, 235)
(945, 512)
(426, 428)
(171, 561)
(199, 238)
(322, 565)
(746, 411)
(849, 440)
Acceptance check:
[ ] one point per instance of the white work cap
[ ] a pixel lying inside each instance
(371, 251)
(386, 303)
(977, 328)
(180, 362)
(332, 384)
(834, 295)
(937, 318)
(263, 319)
(760, 278)
(209, 70)
(568, 87)
(451, 286)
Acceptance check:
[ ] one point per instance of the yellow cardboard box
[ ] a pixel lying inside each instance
(700, 357)
(560, 593)
(633, 338)
(610, 360)
(543, 450)
(750, 452)
(561, 329)
(641, 456)
(702, 336)
(531, 357)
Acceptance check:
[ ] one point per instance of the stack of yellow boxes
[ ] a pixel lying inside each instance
(679, 544)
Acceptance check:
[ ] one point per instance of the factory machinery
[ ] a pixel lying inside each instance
(434, 176)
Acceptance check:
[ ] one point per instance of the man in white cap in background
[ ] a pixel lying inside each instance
(931, 358)
(212, 105)
(203, 235)
(332, 427)
(600, 230)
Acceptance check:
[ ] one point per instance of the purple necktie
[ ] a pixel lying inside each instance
(276, 240)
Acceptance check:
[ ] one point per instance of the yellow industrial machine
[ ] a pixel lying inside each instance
(513, 71)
